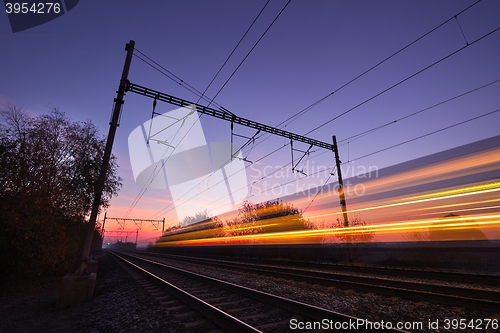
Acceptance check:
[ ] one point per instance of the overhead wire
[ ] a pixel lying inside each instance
(357, 136)
(201, 96)
(370, 154)
(248, 53)
(402, 81)
(153, 64)
(393, 146)
(370, 69)
(152, 176)
(362, 134)
(234, 49)
(379, 127)
(425, 135)
(307, 109)
(253, 47)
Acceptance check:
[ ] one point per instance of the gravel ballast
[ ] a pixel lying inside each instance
(368, 306)
(119, 305)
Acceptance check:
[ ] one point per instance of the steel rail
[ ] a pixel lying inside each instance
(217, 316)
(306, 310)
(456, 296)
(393, 272)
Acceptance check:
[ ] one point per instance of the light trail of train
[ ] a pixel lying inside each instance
(453, 195)
(442, 228)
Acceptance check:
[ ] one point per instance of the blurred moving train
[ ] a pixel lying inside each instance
(264, 218)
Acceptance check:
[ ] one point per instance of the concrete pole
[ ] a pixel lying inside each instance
(82, 268)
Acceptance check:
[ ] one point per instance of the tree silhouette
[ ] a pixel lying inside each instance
(48, 169)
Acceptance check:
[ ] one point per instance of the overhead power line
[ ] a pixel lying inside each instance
(310, 107)
(296, 115)
(342, 86)
(402, 81)
(425, 135)
(370, 154)
(357, 136)
(201, 95)
(234, 49)
(253, 47)
(153, 64)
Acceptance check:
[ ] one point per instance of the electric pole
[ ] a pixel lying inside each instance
(341, 184)
(341, 194)
(105, 160)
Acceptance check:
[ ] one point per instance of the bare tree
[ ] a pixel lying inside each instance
(48, 169)
(54, 159)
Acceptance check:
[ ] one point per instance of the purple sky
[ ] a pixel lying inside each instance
(315, 47)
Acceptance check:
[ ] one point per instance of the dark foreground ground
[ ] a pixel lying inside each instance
(119, 305)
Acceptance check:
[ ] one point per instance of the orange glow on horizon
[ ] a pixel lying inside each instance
(389, 206)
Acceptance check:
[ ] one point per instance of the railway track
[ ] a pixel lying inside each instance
(370, 270)
(468, 297)
(235, 308)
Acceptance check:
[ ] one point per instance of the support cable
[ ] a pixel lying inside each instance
(318, 192)
(466, 42)
(155, 173)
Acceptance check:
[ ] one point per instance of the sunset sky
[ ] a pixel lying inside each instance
(312, 49)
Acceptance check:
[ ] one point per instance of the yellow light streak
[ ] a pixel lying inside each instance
(314, 236)
(456, 205)
(460, 210)
(472, 190)
(252, 227)
(483, 188)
